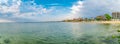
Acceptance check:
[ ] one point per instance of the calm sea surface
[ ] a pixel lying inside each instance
(58, 33)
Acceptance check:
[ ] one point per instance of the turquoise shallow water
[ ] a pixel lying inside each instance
(58, 33)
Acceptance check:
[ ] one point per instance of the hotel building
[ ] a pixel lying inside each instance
(116, 16)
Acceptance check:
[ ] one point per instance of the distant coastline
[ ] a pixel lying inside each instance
(102, 22)
(111, 22)
(106, 18)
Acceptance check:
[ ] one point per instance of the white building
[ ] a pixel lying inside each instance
(116, 16)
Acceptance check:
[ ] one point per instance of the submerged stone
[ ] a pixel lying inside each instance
(113, 36)
(6, 41)
(118, 30)
(118, 36)
(0, 36)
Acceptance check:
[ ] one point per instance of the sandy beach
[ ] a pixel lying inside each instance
(113, 22)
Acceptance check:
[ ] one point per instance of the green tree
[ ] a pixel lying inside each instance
(108, 17)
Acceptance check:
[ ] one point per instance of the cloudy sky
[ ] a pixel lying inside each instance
(54, 10)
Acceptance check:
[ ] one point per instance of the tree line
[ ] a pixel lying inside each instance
(105, 17)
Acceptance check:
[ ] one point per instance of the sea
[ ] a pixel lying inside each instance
(59, 33)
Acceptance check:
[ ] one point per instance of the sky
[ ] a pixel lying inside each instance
(54, 10)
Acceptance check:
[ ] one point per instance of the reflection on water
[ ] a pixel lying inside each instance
(59, 33)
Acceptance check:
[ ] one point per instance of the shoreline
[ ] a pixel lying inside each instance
(112, 22)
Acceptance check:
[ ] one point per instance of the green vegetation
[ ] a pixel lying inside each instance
(105, 17)
(108, 17)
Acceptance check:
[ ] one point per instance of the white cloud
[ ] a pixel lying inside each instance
(5, 7)
(93, 8)
(3, 1)
(17, 8)
(34, 11)
(28, 9)
(5, 20)
(75, 10)
(20, 9)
